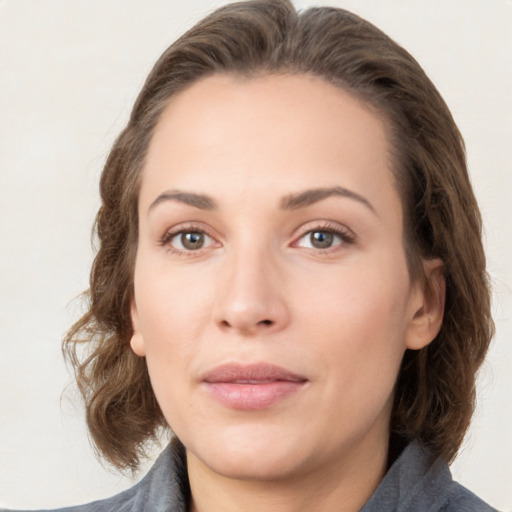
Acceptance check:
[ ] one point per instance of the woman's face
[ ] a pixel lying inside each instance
(272, 297)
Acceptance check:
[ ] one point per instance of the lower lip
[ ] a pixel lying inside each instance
(252, 396)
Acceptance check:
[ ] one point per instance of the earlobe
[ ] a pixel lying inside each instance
(429, 310)
(137, 341)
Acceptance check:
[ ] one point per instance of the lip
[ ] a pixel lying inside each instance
(253, 386)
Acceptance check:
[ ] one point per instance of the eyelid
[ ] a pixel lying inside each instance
(347, 236)
(186, 227)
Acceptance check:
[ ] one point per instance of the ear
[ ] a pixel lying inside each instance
(137, 341)
(428, 306)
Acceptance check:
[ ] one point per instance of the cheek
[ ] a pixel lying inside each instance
(171, 304)
(368, 299)
(359, 321)
(172, 312)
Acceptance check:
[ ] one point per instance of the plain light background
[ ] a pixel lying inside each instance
(69, 72)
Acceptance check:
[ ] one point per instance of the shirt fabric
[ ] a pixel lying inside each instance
(416, 482)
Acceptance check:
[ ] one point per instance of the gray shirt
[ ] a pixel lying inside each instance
(416, 482)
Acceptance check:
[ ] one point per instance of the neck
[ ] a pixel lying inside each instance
(344, 486)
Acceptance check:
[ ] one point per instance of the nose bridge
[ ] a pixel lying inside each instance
(249, 298)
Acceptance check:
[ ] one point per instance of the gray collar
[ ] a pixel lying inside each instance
(416, 482)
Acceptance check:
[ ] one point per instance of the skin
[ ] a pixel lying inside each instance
(258, 288)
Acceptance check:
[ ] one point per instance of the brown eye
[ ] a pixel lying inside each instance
(187, 241)
(326, 238)
(192, 240)
(321, 239)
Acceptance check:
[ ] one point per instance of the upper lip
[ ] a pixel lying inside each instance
(250, 374)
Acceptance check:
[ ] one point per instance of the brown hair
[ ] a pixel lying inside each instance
(435, 391)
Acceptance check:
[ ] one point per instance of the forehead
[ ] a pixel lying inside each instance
(260, 133)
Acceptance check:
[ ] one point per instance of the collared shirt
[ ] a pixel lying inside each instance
(416, 482)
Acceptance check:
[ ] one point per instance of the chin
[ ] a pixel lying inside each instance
(264, 467)
(262, 454)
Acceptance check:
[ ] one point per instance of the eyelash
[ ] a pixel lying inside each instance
(166, 239)
(346, 236)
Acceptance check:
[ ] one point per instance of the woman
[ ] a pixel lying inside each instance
(290, 275)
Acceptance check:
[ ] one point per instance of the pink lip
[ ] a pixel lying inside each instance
(251, 387)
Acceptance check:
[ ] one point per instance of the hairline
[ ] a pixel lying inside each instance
(395, 163)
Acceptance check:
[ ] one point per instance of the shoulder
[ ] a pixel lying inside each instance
(460, 499)
(126, 501)
(418, 482)
(164, 488)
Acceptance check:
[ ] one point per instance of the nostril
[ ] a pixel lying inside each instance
(239, 323)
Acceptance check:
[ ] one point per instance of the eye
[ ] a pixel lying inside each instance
(188, 240)
(319, 239)
(324, 238)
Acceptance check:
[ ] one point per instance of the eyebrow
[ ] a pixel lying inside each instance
(201, 201)
(289, 202)
(311, 196)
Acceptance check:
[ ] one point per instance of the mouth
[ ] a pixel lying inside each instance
(251, 387)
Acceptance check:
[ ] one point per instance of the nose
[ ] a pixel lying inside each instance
(250, 297)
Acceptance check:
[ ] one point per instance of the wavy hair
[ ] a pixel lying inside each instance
(435, 390)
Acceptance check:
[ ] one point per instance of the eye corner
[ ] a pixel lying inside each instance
(188, 240)
(324, 237)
